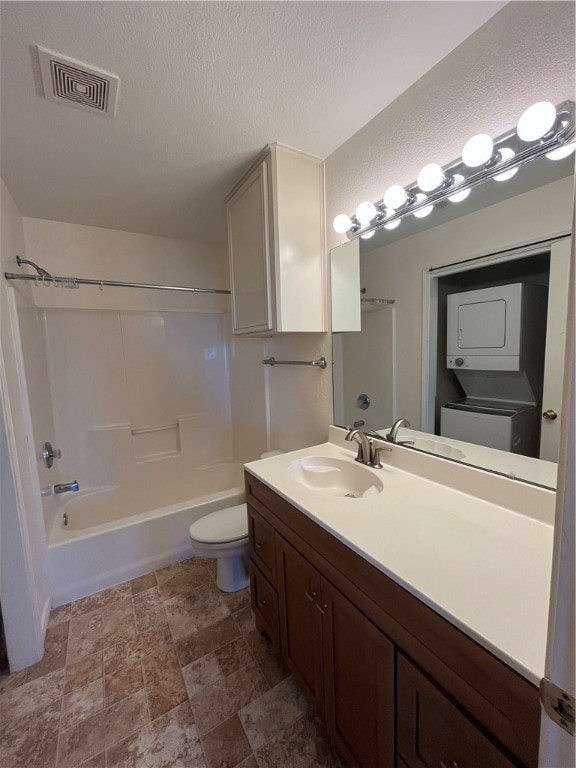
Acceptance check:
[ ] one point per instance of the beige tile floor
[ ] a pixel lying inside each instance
(164, 671)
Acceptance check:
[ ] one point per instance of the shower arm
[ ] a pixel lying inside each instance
(41, 272)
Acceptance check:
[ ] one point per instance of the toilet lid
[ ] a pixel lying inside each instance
(229, 524)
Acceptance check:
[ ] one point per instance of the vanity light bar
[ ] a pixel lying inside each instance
(542, 130)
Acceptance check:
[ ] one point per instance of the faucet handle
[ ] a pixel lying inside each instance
(49, 454)
(376, 450)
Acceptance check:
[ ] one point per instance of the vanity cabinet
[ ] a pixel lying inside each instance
(432, 731)
(342, 661)
(395, 683)
(276, 244)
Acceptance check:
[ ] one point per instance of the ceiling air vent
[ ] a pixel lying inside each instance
(78, 84)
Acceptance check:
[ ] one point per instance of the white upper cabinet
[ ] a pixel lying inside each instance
(276, 244)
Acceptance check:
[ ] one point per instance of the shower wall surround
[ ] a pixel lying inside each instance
(141, 400)
(138, 379)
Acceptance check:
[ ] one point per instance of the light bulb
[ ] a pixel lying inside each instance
(420, 214)
(430, 177)
(536, 121)
(463, 194)
(391, 224)
(368, 235)
(506, 153)
(366, 212)
(477, 150)
(561, 152)
(395, 197)
(342, 223)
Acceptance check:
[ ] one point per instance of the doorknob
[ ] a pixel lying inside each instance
(550, 415)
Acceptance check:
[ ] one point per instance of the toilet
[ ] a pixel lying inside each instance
(224, 535)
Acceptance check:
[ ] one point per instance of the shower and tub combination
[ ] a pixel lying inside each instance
(141, 407)
(106, 536)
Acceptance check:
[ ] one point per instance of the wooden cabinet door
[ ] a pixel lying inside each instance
(249, 251)
(433, 732)
(301, 620)
(264, 600)
(359, 681)
(262, 549)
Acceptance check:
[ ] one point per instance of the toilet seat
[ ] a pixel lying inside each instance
(222, 527)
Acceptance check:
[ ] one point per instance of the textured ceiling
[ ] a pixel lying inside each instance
(203, 87)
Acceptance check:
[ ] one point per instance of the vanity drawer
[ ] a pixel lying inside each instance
(433, 732)
(265, 606)
(262, 544)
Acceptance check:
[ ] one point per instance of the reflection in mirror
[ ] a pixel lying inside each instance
(457, 323)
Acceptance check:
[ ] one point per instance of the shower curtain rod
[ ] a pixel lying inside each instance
(45, 278)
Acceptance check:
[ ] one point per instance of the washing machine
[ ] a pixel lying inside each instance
(506, 426)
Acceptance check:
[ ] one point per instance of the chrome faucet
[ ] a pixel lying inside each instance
(66, 487)
(364, 448)
(392, 436)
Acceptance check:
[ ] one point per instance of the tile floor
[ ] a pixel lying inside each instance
(164, 671)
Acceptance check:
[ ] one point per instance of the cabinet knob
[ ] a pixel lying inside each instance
(259, 545)
(549, 415)
(261, 603)
(310, 597)
(322, 608)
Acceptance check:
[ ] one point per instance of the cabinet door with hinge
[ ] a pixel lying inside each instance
(249, 250)
(301, 620)
(359, 683)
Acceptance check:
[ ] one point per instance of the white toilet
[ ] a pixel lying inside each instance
(224, 535)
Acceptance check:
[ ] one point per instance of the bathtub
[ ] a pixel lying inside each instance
(112, 535)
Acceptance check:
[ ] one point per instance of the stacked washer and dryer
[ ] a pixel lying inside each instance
(495, 345)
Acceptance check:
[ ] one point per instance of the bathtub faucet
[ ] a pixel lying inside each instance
(66, 487)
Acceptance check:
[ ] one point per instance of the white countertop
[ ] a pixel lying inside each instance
(484, 567)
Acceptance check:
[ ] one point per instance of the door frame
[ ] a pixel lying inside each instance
(430, 277)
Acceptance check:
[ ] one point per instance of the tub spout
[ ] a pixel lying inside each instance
(66, 487)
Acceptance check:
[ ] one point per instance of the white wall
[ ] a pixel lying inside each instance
(23, 553)
(525, 53)
(282, 407)
(108, 254)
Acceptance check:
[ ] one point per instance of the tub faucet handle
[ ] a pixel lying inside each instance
(49, 454)
(66, 487)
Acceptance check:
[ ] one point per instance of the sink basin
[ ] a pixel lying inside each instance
(438, 448)
(335, 477)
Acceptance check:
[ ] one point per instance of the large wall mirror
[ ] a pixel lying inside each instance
(456, 322)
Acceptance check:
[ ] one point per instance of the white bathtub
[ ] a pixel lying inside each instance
(112, 537)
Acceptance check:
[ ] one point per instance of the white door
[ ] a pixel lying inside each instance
(555, 345)
(556, 744)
